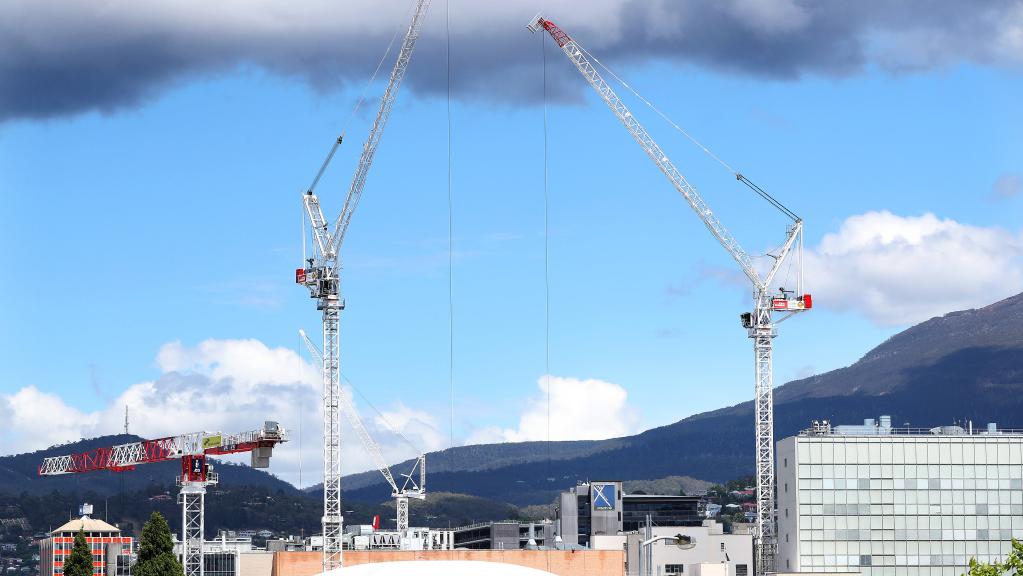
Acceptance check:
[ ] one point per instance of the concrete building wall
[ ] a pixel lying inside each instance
(561, 562)
(788, 509)
(504, 536)
(568, 518)
(255, 563)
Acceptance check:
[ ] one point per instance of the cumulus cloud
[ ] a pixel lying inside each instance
(580, 410)
(218, 385)
(65, 57)
(899, 270)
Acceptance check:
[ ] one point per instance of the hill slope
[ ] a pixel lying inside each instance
(962, 365)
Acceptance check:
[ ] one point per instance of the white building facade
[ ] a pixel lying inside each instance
(710, 551)
(887, 501)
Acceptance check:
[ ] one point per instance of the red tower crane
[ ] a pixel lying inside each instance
(192, 449)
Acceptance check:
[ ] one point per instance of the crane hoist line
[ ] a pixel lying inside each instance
(760, 324)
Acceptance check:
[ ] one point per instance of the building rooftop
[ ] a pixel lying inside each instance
(883, 427)
(86, 524)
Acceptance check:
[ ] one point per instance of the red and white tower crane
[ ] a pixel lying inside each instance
(321, 275)
(196, 473)
(413, 484)
(759, 323)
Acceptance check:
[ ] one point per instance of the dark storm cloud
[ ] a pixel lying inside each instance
(62, 57)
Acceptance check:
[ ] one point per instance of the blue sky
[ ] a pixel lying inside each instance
(176, 221)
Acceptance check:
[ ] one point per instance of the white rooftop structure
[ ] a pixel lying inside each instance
(87, 525)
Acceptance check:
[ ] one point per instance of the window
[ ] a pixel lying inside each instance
(740, 570)
(673, 568)
(722, 546)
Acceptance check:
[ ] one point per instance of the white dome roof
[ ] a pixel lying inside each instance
(437, 568)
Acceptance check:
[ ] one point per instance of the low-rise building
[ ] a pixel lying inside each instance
(507, 535)
(699, 550)
(603, 509)
(111, 551)
(232, 555)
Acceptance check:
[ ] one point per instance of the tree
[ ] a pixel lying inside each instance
(79, 563)
(1013, 564)
(156, 550)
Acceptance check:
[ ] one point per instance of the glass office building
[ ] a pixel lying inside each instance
(603, 508)
(887, 501)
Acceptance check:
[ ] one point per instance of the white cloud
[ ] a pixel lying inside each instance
(413, 424)
(40, 419)
(899, 270)
(579, 409)
(218, 385)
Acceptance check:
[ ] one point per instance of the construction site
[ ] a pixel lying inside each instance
(591, 538)
(599, 529)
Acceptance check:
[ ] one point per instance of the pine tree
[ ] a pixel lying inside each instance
(156, 550)
(79, 563)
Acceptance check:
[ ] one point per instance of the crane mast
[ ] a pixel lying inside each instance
(321, 275)
(760, 324)
(410, 487)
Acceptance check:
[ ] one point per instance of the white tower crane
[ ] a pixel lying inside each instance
(321, 275)
(411, 487)
(759, 324)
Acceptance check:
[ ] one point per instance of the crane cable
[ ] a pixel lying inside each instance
(383, 419)
(451, 247)
(546, 256)
(546, 275)
(738, 175)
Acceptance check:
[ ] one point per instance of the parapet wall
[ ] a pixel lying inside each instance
(561, 562)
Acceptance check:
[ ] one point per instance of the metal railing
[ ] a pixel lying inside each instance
(907, 431)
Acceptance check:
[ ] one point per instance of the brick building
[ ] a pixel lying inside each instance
(111, 552)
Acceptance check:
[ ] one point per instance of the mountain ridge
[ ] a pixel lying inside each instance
(962, 365)
(952, 367)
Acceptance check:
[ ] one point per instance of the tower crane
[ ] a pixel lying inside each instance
(196, 474)
(321, 275)
(411, 487)
(759, 324)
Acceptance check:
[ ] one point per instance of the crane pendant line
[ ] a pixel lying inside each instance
(410, 488)
(759, 324)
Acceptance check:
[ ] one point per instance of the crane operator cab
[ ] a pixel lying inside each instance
(786, 301)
